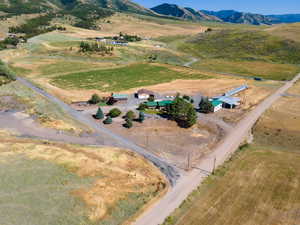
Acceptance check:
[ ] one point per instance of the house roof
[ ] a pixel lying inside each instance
(145, 91)
(159, 103)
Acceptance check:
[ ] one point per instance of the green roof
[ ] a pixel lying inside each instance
(160, 103)
(165, 103)
(216, 103)
(120, 96)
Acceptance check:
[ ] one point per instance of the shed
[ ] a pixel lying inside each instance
(120, 97)
(236, 90)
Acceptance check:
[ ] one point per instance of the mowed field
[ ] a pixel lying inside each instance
(260, 183)
(48, 183)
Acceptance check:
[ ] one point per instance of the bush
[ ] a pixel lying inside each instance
(6, 72)
(130, 115)
(94, 99)
(128, 123)
(108, 120)
(114, 113)
(142, 107)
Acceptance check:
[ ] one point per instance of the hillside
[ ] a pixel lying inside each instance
(183, 13)
(232, 16)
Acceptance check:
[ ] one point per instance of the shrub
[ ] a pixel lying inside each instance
(94, 99)
(6, 72)
(128, 123)
(108, 120)
(130, 115)
(114, 113)
(142, 107)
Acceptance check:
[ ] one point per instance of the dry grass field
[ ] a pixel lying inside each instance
(48, 183)
(260, 183)
(288, 31)
(133, 25)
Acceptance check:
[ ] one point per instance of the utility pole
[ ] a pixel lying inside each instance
(214, 168)
(189, 162)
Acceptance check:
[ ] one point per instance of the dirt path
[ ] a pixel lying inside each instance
(188, 64)
(172, 200)
(109, 137)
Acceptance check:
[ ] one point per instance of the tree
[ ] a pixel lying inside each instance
(151, 98)
(130, 115)
(128, 123)
(111, 101)
(141, 117)
(205, 106)
(108, 120)
(99, 115)
(94, 99)
(182, 112)
(191, 117)
(115, 112)
(142, 107)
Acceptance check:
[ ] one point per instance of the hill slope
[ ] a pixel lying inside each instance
(183, 13)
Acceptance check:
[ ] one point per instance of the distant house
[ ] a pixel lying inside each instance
(119, 43)
(119, 97)
(144, 94)
(217, 104)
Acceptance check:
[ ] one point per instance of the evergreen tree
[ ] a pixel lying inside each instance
(108, 120)
(141, 117)
(94, 99)
(99, 115)
(205, 105)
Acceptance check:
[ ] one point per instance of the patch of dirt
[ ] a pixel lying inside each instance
(164, 138)
(10, 103)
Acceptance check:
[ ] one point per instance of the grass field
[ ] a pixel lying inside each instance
(259, 184)
(49, 183)
(288, 31)
(241, 51)
(266, 70)
(122, 78)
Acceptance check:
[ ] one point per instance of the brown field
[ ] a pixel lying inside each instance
(164, 138)
(260, 184)
(289, 31)
(116, 173)
(133, 25)
(14, 21)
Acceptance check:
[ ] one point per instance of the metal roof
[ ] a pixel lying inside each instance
(120, 96)
(230, 100)
(216, 103)
(236, 90)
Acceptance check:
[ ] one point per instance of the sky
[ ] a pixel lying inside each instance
(255, 6)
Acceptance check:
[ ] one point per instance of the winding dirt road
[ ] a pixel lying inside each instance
(172, 200)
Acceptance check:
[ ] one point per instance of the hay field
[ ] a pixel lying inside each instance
(48, 183)
(288, 31)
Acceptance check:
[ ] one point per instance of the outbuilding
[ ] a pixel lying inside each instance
(217, 105)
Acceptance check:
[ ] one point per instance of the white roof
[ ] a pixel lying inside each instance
(230, 100)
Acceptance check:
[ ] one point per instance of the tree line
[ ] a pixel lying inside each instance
(95, 47)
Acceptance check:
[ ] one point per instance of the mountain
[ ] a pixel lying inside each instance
(183, 13)
(286, 18)
(17, 7)
(232, 16)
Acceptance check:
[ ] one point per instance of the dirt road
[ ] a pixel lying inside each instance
(110, 138)
(162, 209)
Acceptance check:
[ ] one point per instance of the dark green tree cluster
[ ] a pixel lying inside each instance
(182, 111)
(205, 106)
(94, 99)
(95, 47)
(99, 115)
(127, 37)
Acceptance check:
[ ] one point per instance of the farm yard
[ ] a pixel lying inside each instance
(261, 176)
